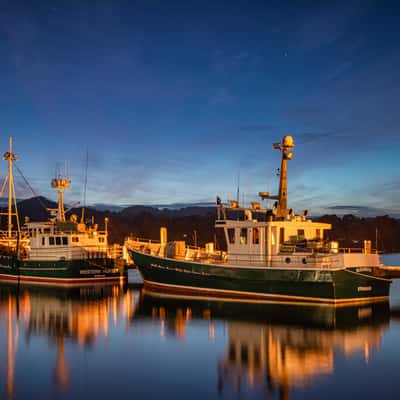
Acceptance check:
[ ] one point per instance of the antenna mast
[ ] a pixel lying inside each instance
(238, 188)
(286, 147)
(85, 182)
(60, 184)
(9, 156)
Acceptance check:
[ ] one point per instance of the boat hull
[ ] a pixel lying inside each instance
(261, 284)
(62, 272)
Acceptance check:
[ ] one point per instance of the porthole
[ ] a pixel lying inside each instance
(287, 260)
(304, 261)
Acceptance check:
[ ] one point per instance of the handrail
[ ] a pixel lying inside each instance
(142, 240)
(351, 249)
(61, 232)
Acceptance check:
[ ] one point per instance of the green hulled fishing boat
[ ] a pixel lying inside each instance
(272, 255)
(57, 251)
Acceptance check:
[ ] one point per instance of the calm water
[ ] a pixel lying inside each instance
(118, 343)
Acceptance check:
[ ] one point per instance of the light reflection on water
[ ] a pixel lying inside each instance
(118, 342)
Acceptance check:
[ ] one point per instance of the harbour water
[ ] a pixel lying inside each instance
(118, 342)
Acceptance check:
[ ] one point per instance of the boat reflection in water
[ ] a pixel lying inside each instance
(275, 348)
(271, 349)
(78, 315)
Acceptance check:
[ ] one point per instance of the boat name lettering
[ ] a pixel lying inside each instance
(89, 271)
(156, 265)
(364, 269)
(364, 288)
(187, 271)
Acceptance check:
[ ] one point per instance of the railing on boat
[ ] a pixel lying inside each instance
(74, 252)
(69, 233)
(322, 256)
(289, 249)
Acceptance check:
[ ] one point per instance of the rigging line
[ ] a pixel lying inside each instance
(31, 188)
(86, 173)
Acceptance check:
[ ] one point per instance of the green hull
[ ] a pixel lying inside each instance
(310, 316)
(60, 272)
(275, 284)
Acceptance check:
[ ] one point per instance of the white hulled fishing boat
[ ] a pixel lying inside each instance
(57, 251)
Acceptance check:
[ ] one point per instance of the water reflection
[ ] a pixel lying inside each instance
(269, 349)
(79, 315)
(276, 348)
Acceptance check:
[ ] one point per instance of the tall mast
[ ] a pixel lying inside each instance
(9, 156)
(10, 186)
(60, 184)
(286, 147)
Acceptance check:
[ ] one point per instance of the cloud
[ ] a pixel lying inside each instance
(339, 70)
(223, 96)
(224, 61)
(324, 23)
(360, 210)
(310, 137)
(256, 128)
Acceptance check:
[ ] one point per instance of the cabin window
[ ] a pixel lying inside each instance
(256, 236)
(244, 354)
(46, 230)
(58, 240)
(51, 240)
(101, 240)
(231, 235)
(65, 240)
(282, 235)
(43, 241)
(75, 239)
(243, 236)
(318, 233)
(300, 233)
(232, 352)
(257, 358)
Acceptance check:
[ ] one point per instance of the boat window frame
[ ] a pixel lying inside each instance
(243, 236)
(255, 236)
(65, 240)
(51, 241)
(230, 232)
(281, 235)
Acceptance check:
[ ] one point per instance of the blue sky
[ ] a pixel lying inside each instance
(172, 99)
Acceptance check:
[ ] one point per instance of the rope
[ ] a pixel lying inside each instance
(31, 188)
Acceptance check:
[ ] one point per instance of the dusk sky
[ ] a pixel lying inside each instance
(173, 99)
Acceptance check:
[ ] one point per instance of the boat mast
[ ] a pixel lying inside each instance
(60, 184)
(286, 147)
(9, 156)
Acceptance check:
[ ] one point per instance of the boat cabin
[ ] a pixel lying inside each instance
(65, 240)
(259, 242)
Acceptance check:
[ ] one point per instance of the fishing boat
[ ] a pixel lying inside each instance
(272, 254)
(57, 251)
